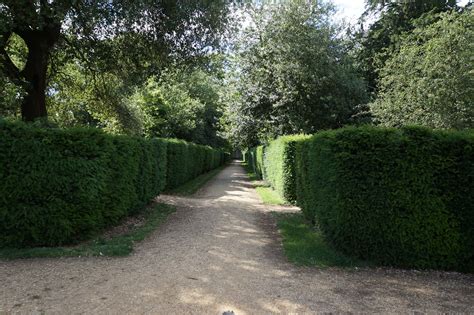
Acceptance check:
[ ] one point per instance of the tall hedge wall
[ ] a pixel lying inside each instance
(400, 197)
(279, 165)
(188, 160)
(254, 159)
(59, 186)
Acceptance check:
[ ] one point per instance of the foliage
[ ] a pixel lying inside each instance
(183, 103)
(279, 164)
(254, 159)
(103, 35)
(398, 197)
(429, 81)
(63, 185)
(292, 73)
(188, 160)
(306, 246)
(269, 196)
(80, 98)
(116, 246)
(195, 184)
(11, 94)
(393, 18)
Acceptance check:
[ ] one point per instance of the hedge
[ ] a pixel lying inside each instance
(254, 159)
(401, 197)
(59, 186)
(188, 160)
(279, 165)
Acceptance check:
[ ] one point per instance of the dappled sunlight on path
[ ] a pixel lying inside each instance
(220, 251)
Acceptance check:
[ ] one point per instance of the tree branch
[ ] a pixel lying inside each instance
(9, 68)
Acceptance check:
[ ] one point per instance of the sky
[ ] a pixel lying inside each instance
(351, 10)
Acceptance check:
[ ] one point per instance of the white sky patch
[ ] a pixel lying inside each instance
(351, 10)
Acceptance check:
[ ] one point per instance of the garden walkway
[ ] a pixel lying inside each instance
(220, 251)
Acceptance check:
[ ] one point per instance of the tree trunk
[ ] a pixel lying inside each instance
(38, 23)
(34, 103)
(34, 73)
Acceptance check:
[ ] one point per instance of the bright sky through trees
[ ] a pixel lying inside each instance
(351, 10)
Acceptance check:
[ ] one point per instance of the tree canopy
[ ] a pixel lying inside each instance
(429, 80)
(182, 103)
(105, 34)
(379, 39)
(220, 72)
(292, 74)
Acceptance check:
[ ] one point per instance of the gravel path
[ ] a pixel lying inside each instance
(220, 251)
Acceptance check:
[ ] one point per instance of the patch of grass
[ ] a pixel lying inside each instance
(269, 196)
(306, 246)
(121, 245)
(252, 176)
(266, 193)
(193, 185)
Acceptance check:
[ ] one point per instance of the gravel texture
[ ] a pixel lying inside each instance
(220, 252)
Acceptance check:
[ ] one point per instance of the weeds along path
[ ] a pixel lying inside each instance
(220, 251)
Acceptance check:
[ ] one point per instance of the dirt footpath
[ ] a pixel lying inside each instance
(220, 251)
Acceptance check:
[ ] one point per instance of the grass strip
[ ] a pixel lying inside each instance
(121, 245)
(305, 246)
(269, 196)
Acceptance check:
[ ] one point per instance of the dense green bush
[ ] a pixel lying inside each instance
(279, 164)
(188, 160)
(401, 197)
(61, 185)
(254, 159)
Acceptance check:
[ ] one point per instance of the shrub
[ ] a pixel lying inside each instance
(397, 196)
(254, 160)
(188, 160)
(59, 186)
(279, 164)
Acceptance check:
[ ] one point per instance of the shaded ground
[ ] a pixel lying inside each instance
(220, 251)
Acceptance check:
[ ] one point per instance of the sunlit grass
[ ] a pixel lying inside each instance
(266, 193)
(269, 196)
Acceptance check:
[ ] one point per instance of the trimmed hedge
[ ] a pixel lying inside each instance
(279, 165)
(254, 159)
(401, 197)
(188, 160)
(62, 185)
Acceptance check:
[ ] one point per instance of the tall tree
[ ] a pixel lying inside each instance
(84, 27)
(429, 80)
(393, 18)
(293, 74)
(184, 103)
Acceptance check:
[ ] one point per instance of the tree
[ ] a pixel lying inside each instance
(184, 103)
(78, 98)
(293, 74)
(84, 29)
(429, 80)
(381, 38)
